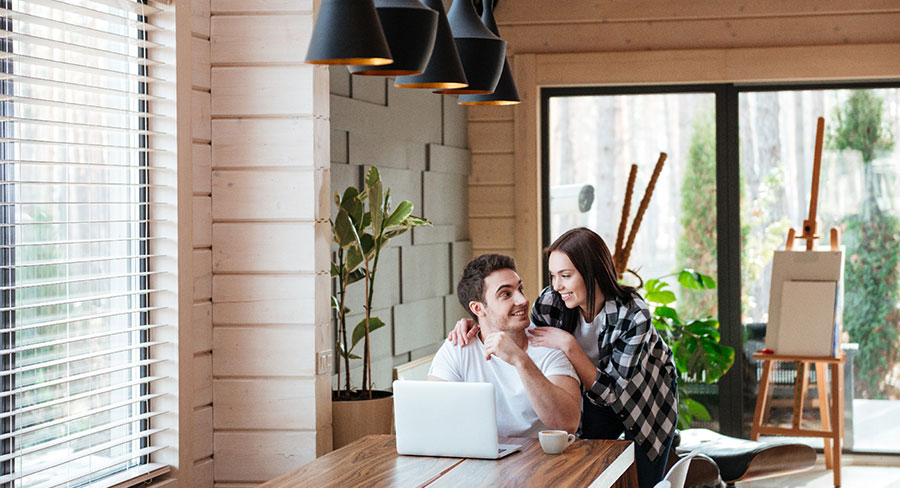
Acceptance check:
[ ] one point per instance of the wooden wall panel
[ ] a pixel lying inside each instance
(533, 12)
(255, 456)
(201, 160)
(200, 71)
(201, 171)
(221, 7)
(203, 394)
(491, 136)
(714, 33)
(257, 39)
(254, 404)
(243, 143)
(261, 91)
(200, 121)
(492, 169)
(493, 232)
(203, 433)
(264, 351)
(262, 299)
(237, 194)
(202, 325)
(492, 201)
(263, 247)
(202, 274)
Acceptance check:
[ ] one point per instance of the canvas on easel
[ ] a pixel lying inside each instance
(805, 303)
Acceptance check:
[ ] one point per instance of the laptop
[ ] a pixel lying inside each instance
(428, 422)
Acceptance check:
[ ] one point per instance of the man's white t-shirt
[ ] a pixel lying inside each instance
(515, 415)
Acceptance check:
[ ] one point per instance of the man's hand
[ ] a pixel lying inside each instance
(502, 345)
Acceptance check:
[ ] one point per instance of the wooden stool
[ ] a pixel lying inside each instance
(831, 409)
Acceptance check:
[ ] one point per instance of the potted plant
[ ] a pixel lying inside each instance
(699, 356)
(364, 224)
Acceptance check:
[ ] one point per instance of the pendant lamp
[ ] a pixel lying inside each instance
(444, 68)
(481, 52)
(506, 92)
(410, 29)
(348, 32)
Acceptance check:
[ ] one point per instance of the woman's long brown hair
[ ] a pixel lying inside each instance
(588, 252)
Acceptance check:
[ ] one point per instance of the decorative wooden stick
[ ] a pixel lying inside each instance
(623, 223)
(643, 208)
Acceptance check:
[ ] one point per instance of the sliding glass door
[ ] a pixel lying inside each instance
(737, 177)
(859, 194)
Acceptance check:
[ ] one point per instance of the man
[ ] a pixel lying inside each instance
(536, 387)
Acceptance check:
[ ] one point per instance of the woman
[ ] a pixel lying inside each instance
(604, 328)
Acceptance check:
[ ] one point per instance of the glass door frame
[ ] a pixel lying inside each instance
(728, 205)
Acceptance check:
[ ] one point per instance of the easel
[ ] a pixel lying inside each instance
(832, 417)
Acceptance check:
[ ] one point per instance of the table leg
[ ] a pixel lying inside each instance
(837, 415)
(823, 408)
(628, 479)
(761, 396)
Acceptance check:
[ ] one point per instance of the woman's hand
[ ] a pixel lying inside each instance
(552, 337)
(464, 330)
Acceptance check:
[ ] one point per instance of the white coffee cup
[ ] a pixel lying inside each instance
(555, 441)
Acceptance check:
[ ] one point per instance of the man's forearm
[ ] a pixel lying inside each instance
(556, 407)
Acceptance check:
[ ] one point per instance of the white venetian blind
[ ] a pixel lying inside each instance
(75, 249)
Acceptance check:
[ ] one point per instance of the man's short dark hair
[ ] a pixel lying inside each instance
(471, 284)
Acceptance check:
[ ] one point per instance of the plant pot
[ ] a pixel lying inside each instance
(353, 419)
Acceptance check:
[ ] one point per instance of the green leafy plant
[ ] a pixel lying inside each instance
(695, 343)
(364, 224)
(872, 237)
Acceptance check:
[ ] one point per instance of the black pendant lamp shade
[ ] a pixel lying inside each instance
(444, 69)
(482, 53)
(348, 32)
(410, 29)
(506, 92)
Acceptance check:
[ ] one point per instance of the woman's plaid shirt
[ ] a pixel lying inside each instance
(636, 373)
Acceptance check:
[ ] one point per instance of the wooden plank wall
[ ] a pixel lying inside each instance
(202, 445)
(606, 26)
(269, 241)
(418, 141)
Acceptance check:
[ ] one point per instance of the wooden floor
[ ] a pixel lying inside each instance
(818, 477)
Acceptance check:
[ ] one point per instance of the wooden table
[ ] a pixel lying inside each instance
(373, 462)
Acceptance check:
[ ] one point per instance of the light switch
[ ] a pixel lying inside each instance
(325, 362)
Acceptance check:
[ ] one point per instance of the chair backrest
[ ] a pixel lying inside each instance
(663, 484)
(414, 370)
(678, 473)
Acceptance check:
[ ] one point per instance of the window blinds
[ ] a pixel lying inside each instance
(75, 249)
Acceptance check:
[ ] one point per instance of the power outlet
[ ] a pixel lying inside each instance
(325, 362)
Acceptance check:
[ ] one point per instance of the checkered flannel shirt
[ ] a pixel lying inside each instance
(636, 372)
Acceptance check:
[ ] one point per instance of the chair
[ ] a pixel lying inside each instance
(414, 370)
(678, 473)
(743, 460)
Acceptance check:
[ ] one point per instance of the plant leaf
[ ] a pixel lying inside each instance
(356, 275)
(403, 210)
(663, 297)
(697, 410)
(343, 229)
(413, 221)
(360, 330)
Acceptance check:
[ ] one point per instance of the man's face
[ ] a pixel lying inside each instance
(505, 306)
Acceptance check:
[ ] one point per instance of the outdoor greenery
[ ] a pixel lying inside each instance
(697, 243)
(364, 224)
(872, 239)
(699, 356)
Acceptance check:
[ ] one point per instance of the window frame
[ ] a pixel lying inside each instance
(727, 202)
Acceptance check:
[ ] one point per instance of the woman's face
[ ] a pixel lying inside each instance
(566, 280)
